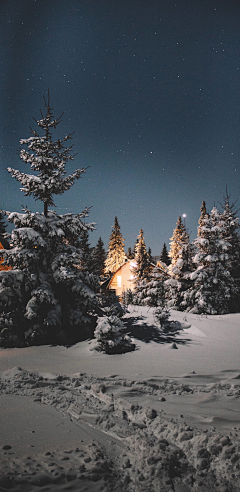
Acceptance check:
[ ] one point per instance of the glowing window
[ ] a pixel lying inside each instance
(119, 279)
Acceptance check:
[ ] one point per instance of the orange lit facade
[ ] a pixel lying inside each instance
(122, 279)
(1, 260)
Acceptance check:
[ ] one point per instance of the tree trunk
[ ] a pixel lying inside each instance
(45, 209)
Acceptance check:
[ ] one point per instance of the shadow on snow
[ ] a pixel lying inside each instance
(137, 328)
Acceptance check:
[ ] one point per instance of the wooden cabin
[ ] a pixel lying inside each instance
(122, 279)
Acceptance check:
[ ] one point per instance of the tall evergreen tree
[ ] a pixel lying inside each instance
(140, 292)
(181, 253)
(2, 223)
(3, 242)
(142, 265)
(127, 297)
(86, 251)
(48, 159)
(203, 216)
(181, 277)
(98, 259)
(164, 257)
(45, 293)
(116, 256)
(150, 258)
(212, 288)
(232, 234)
(179, 238)
(184, 263)
(130, 255)
(135, 248)
(155, 289)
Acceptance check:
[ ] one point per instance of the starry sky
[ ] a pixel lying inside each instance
(151, 90)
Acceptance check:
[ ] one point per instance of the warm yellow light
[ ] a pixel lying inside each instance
(119, 280)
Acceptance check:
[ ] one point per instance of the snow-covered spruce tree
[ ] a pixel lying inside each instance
(150, 258)
(182, 273)
(111, 337)
(184, 266)
(202, 217)
(3, 245)
(3, 242)
(155, 288)
(98, 259)
(173, 292)
(130, 254)
(110, 304)
(180, 252)
(180, 279)
(127, 297)
(183, 299)
(116, 256)
(231, 235)
(141, 269)
(135, 248)
(140, 292)
(141, 266)
(178, 239)
(164, 257)
(2, 224)
(45, 293)
(213, 288)
(86, 251)
(162, 315)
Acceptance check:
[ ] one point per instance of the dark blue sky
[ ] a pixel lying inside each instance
(151, 89)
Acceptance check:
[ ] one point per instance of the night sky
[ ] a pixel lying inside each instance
(151, 90)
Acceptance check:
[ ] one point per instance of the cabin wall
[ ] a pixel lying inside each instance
(122, 280)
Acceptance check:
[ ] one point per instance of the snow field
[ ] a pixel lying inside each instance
(115, 427)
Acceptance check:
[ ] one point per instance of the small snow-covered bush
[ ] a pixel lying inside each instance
(161, 315)
(110, 336)
(114, 309)
(127, 297)
(110, 304)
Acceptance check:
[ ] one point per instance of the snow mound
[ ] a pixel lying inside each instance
(193, 330)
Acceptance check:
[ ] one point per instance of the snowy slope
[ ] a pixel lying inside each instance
(159, 418)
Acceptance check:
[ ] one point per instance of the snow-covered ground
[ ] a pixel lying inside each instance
(156, 419)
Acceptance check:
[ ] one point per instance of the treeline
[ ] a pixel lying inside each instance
(202, 276)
